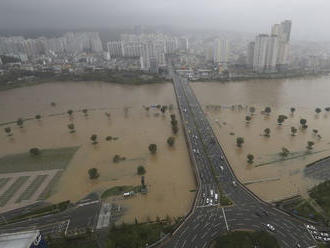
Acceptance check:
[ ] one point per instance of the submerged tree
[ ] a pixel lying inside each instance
(293, 131)
(281, 119)
(71, 128)
(93, 173)
(141, 170)
(171, 141)
(8, 131)
(292, 110)
(175, 129)
(70, 112)
(268, 110)
(239, 141)
(285, 152)
(315, 131)
(310, 145)
(38, 117)
(303, 123)
(19, 122)
(247, 119)
(252, 110)
(153, 148)
(35, 151)
(267, 132)
(250, 158)
(85, 111)
(318, 110)
(107, 114)
(93, 138)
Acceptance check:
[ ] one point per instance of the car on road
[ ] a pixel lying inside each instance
(234, 184)
(310, 227)
(215, 198)
(298, 245)
(221, 156)
(324, 234)
(221, 167)
(270, 227)
(258, 214)
(318, 238)
(207, 200)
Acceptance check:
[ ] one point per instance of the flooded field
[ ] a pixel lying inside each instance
(168, 175)
(271, 176)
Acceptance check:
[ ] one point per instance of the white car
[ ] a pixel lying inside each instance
(270, 227)
(221, 167)
(318, 238)
(311, 227)
(222, 158)
(207, 200)
(234, 184)
(324, 234)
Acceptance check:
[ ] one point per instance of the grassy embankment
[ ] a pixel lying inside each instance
(319, 194)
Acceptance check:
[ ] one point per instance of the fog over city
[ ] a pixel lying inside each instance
(310, 18)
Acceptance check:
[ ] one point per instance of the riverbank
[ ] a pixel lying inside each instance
(264, 76)
(18, 78)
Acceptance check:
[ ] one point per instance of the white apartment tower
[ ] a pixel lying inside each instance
(260, 50)
(221, 51)
(271, 53)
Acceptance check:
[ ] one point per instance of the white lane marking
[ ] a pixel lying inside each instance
(224, 215)
(66, 229)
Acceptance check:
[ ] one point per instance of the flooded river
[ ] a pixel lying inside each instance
(168, 175)
(271, 176)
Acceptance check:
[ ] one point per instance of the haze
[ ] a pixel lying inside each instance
(310, 18)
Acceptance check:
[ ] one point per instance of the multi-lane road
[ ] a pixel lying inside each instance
(77, 219)
(215, 176)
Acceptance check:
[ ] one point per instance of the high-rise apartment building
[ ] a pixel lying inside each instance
(250, 53)
(221, 51)
(271, 53)
(260, 50)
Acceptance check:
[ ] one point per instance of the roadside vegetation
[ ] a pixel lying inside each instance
(21, 78)
(320, 194)
(50, 209)
(119, 190)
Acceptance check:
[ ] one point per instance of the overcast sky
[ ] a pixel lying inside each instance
(311, 18)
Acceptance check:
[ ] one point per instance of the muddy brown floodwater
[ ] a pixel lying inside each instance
(169, 175)
(270, 176)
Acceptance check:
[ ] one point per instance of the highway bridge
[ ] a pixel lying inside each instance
(209, 218)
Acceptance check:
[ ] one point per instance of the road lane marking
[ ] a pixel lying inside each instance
(224, 215)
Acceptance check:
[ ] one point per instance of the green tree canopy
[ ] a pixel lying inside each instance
(153, 148)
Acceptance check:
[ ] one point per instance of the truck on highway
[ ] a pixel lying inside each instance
(215, 198)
